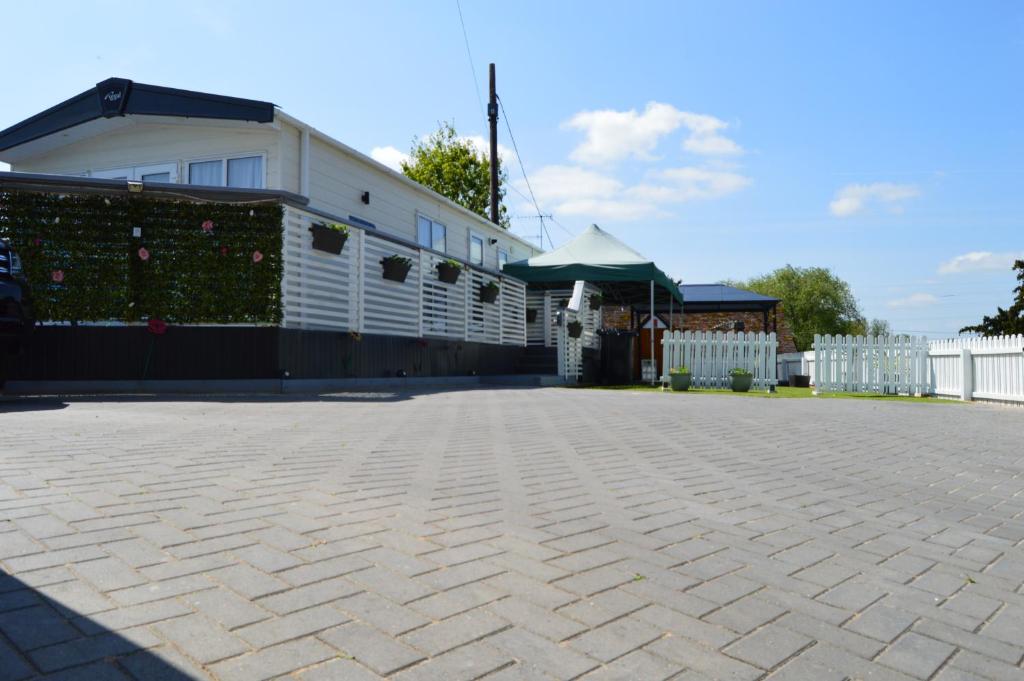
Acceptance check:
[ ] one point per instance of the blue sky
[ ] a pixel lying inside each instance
(882, 140)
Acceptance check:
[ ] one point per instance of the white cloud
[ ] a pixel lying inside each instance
(914, 300)
(484, 147)
(853, 198)
(979, 261)
(389, 156)
(572, 190)
(616, 135)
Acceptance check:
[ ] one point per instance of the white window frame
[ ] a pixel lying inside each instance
(483, 248)
(432, 222)
(499, 251)
(224, 166)
(136, 172)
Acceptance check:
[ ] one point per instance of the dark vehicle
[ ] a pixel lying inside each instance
(16, 313)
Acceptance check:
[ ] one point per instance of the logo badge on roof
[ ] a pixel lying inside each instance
(113, 95)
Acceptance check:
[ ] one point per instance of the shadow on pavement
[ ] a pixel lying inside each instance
(42, 639)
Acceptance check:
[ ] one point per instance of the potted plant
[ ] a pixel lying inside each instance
(396, 267)
(679, 377)
(596, 301)
(329, 237)
(741, 380)
(449, 270)
(531, 315)
(575, 329)
(489, 292)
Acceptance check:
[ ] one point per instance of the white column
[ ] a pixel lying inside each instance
(967, 382)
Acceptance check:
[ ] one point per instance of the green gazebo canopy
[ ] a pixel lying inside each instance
(596, 256)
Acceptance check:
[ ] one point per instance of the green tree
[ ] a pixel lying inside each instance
(454, 168)
(814, 301)
(879, 327)
(1004, 322)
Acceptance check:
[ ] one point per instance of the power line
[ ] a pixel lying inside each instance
(469, 54)
(522, 169)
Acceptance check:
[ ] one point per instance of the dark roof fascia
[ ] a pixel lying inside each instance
(137, 99)
(698, 307)
(65, 184)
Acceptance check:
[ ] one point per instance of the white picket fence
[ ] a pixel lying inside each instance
(711, 355)
(896, 365)
(979, 368)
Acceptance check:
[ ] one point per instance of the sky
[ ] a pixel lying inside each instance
(884, 141)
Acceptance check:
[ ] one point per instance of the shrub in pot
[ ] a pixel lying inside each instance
(596, 302)
(449, 270)
(489, 292)
(329, 237)
(679, 378)
(741, 380)
(575, 329)
(396, 267)
(531, 315)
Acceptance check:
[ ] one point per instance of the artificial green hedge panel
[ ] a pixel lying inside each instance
(201, 263)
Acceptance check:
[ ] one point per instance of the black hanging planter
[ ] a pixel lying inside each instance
(448, 272)
(595, 302)
(531, 315)
(396, 268)
(575, 329)
(489, 293)
(329, 238)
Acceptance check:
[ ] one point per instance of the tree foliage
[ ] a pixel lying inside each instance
(454, 168)
(814, 301)
(1004, 322)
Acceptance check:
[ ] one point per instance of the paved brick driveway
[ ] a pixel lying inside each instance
(512, 534)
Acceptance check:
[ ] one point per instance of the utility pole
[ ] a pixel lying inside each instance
(492, 116)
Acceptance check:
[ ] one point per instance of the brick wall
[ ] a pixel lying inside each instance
(617, 318)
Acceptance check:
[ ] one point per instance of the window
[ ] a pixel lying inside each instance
(160, 172)
(431, 234)
(476, 249)
(206, 172)
(502, 258)
(245, 172)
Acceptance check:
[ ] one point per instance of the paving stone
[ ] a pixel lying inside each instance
(617, 638)
(466, 663)
(226, 607)
(881, 622)
(694, 656)
(540, 656)
(455, 631)
(768, 647)
(80, 651)
(389, 617)
(201, 638)
(376, 650)
(307, 596)
(337, 670)
(536, 619)
(274, 661)
(637, 665)
(281, 629)
(916, 655)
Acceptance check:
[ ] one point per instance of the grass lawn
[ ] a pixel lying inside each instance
(781, 393)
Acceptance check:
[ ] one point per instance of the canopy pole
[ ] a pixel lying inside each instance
(654, 361)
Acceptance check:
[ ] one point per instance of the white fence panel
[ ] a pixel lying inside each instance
(536, 331)
(881, 364)
(570, 354)
(988, 368)
(484, 318)
(513, 312)
(444, 305)
(710, 356)
(389, 307)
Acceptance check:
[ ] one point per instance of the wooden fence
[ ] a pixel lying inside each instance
(347, 292)
(978, 368)
(710, 356)
(871, 364)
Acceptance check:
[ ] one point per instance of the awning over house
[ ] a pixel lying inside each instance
(596, 256)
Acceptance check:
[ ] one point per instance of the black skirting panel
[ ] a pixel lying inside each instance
(95, 353)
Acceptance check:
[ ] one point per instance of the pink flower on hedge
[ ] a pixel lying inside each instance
(39, 241)
(157, 327)
(208, 226)
(223, 250)
(57, 276)
(143, 254)
(257, 256)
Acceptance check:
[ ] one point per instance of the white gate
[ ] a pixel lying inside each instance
(890, 365)
(711, 355)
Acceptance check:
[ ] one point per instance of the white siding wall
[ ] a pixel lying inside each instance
(147, 143)
(338, 179)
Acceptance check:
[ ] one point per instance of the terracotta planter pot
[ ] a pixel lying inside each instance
(488, 294)
(447, 273)
(680, 382)
(531, 315)
(328, 240)
(395, 270)
(575, 329)
(741, 384)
